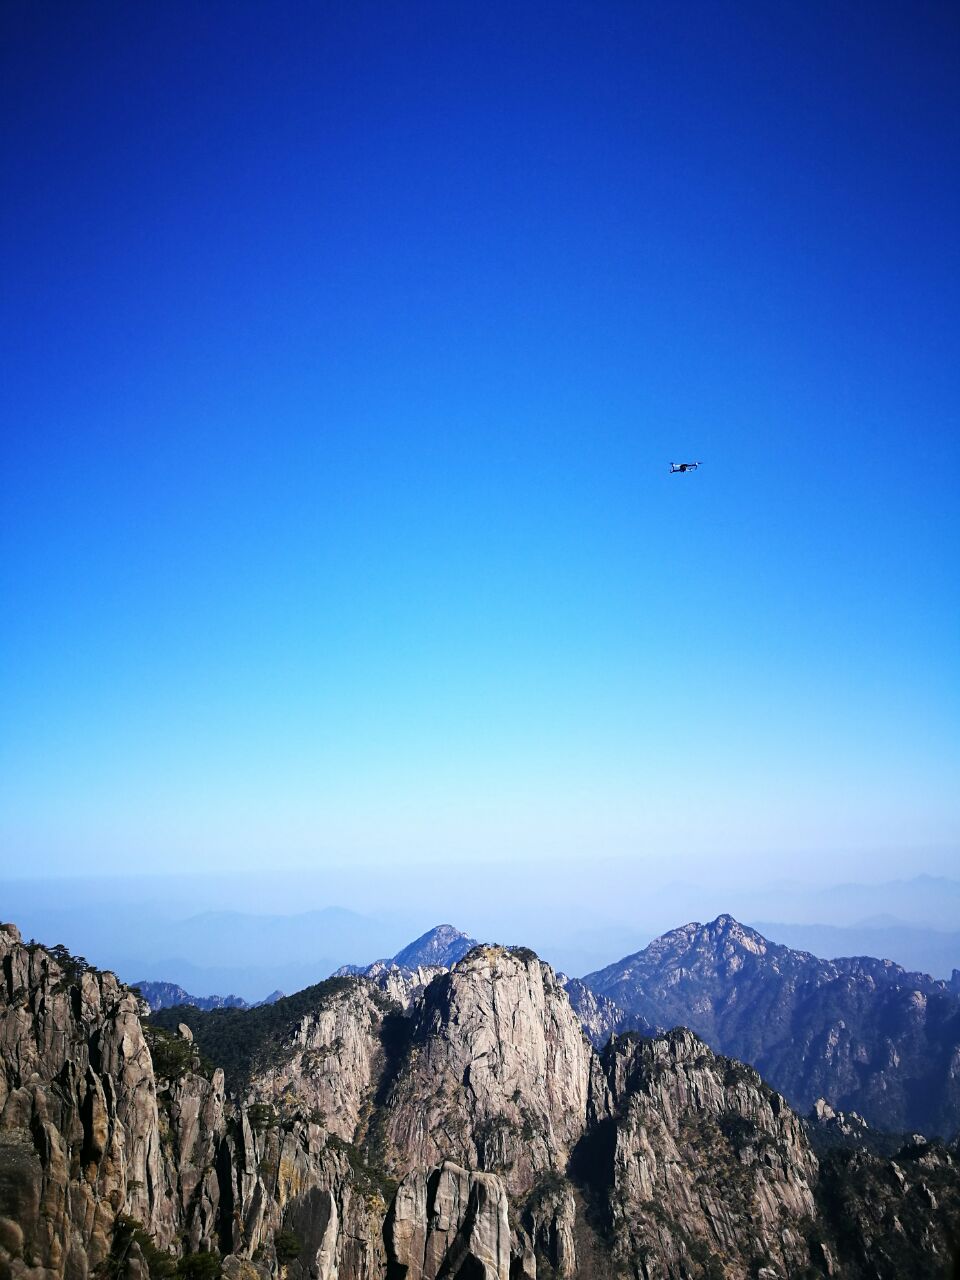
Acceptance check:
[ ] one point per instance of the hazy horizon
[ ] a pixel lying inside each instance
(249, 935)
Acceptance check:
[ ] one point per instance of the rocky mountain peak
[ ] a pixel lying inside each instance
(695, 951)
(441, 946)
(404, 976)
(498, 1070)
(671, 1096)
(863, 1033)
(169, 995)
(715, 942)
(730, 930)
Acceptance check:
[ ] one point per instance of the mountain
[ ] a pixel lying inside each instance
(864, 1034)
(925, 900)
(166, 995)
(404, 976)
(599, 1016)
(407, 974)
(253, 954)
(148, 929)
(439, 947)
(916, 947)
(477, 1136)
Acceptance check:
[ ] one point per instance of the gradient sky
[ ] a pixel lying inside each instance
(346, 347)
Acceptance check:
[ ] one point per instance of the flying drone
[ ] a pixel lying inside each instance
(678, 468)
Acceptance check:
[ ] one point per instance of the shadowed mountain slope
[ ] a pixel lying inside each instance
(863, 1033)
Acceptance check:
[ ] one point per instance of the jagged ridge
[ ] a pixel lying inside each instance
(478, 1134)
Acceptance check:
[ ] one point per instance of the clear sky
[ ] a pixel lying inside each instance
(345, 350)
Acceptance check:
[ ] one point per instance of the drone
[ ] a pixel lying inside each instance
(678, 468)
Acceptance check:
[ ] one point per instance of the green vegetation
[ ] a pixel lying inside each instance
(653, 1220)
(73, 966)
(739, 1131)
(710, 1263)
(197, 1266)
(262, 1117)
(240, 1040)
(493, 1136)
(172, 1055)
(860, 1195)
(287, 1246)
(547, 1191)
(128, 1232)
(315, 1058)
(369, 1179)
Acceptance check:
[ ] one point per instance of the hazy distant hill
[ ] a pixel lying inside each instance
(441, 946)
(167, 995)
(913, 946)
(254, 954)
(250, 935)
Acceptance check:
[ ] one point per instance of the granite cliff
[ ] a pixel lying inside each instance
(477, 1133)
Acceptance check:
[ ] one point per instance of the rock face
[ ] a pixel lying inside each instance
(707, 1166)
(497, 1072)
(477, 1135)
(449, 1223)
(410, 971)
(885, 1219)
(97, 1130)
(326, 1064)
(192, 1121)
(79, 1127)
(401, 985)
(599, 1016)
(864, 1034)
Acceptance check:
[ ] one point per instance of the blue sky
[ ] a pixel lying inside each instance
(346, 349)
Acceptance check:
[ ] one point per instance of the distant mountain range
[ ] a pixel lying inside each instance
(252, 936)
(865, 1034)
(167, 995)
(916, 947)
